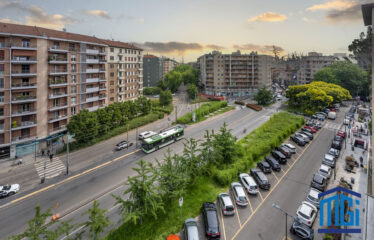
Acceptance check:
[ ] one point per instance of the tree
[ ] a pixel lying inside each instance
(37, 227)
(151, 90)
(362, 48)
(263, 96)
(325, 75)
(97, 221)
(207, 148)
(190, 76)
(165, 98)
(144, 198)
(192, 91)
(173, 80)
(191, 160)
(224, 146)
(84, 126)
(143, 105)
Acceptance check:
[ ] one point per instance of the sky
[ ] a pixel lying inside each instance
(185, 30)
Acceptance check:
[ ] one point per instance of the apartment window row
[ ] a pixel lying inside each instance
(128, 95)
(131, 73)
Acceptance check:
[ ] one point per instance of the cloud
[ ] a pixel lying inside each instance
(97, 13)
(215, 47)
(259, 48)
(7, 20)
(37, 17)
(268, 17)
(131, 18)
(333, 5)
(179, 48)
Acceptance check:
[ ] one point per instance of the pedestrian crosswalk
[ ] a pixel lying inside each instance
(332, 126)
(49, 169)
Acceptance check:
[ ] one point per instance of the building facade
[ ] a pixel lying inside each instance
(234, 74)
(124, 71)
(167, 65)
(46, 76)
(151, 73)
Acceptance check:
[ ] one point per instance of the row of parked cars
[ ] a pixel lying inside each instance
(304, 136)
(249, 183)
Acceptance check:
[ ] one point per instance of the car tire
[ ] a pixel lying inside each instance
(11, 193)
(292, 230)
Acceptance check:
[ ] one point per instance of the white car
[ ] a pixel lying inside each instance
(146, 134)
(239, 194)
(248, 183)
(307, 213)
(325, 171)
(8, 190)
(312, 197)
(290, 147)
(346, 121)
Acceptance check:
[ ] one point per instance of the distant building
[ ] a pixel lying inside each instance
(344, 57)
(234, 74)
(167, 65)
(151, 72)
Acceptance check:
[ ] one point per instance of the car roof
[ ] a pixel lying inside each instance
(329, 156)
(314, 193)
(239, 189)
(227, 200)
(190, 220)
(306, 208)
(250, 180)
(325, 167)
(266, 164)
(290, 145)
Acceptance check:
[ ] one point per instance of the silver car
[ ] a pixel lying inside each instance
(290, 147)
(304, 137)
(226, 204)
(190, 229)
(239, 194)
(249, 183)
(312, 197)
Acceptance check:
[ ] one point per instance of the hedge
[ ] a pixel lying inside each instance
(239, 102)
(202, 111)
(254, 107)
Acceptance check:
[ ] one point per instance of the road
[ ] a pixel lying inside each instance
(73, 193)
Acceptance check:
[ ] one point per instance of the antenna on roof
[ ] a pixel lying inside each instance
(64, 29)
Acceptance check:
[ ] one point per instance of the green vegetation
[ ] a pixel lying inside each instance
(97, 221)
(313, 97)
(192, 91)
(348, 76)
(166, 98)
(200, 99)
(263, 96)
(182, 73)
(362, 48)
(201, 112)
(151, 91)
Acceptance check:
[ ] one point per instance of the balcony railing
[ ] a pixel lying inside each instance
(24, 46)
(57, 130)
(23, 60)
(23, 124)
(102, 60)
(23, 112)
(57, 118)
(92, 51)
(92, 80)
(58, 72)
(58, 95)
(92, 99)
(56, 49)
(23, 73)
(92, 70)
(58, 107)
(56, 83)
(24, 99)
(56, 60)
(102, 96)
(102, 70)
(94, 89)
(23, 85)
(23, 138)
(92, 60)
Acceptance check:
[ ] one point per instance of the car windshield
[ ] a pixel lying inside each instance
(318, 179)
(6, 187)
(304, 215)
(312, 198)
(212, 220)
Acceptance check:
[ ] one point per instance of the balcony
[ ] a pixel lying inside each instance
(91, 60)
(23, 46)
(57, 49)
(92, 80)
(21, 86)
(22, 125)
(23, 60)
(92, 70)
(58, 83)
(94, 108)
(102, 79)
(23, 112)
(57, 60)
(23, 99)
(92, 51)
(57, 130)
(102, 88)
(57, 118)
(102, 97)
(102, 70)
(92, 99)
(22, 139)
(58, 72)
(23, 74)
(90, 90)
(57, 95)
(2, 129)
(102, 61)
(58, 107)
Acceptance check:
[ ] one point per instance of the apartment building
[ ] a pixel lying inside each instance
(124, 71)
(234, 74)
(151, 73)
(46, 76)
(310, 64)
(167, 65)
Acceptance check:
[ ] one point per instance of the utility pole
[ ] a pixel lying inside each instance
(176, 113)
(36, 138)
(136, 138)
(67, 154)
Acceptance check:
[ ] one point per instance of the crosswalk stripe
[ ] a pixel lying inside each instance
(52, 169)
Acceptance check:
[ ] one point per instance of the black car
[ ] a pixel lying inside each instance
(284, 151)
(264, 166)
(273, 163)
(337, 145)
(279, 156)
(302, 230)
(260, 178)
(299, 141)
(338, 138)
(319, 182)
(211, 220)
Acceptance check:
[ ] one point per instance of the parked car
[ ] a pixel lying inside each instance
(320, 117)
(264, 166)
(249, 183)
(273, 163)
(311, 128)
(319, 182)
(284, 151)
(9, 190)
(338, 138)
(334, 152)
(239, 194)
(303, 136)
(312, 197)
(260, 178)
(211, 222)
(329, 160)
(191, 231)
(226, 204)
(322, 113)
(308, 134)
(301, 230)
(306, 130)
(325, 171)
(336, 144)
(146, 134)
(341, 134)
(123, 144)
(279, 156)
(290, 147)
(346, 121)
(298, 140)
(306, 213)
(332, 115)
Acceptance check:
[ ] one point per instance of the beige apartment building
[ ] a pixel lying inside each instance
(124, 71)
(234, 74)
(46, 76)
(167, 65)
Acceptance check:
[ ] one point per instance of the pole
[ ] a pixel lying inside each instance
(67, 154)
(35, 149)
(176, 113)
(286, 225)
(136, 138)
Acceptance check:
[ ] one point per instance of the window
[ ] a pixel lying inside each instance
(1, 82)
(120, 58)
(25, 68)
(56, 45)
(72, 111)
(73, 89)
(120, 50)
(73, 68)
(111, 82)
(71, 47)
(73, 100)
(56, 102)
(26, 107)
(111, 65)
(111, 58)
(1, 69)
(25, 82)
(2, 97)
(1, 111)
(73, 79)
(73, 57)
(112, 74)
(111, 49)
(112, 99)
(26, 43)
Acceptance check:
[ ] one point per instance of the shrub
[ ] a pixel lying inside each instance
(254, 107)
(151, 90)
(202, 111)
(239, 102)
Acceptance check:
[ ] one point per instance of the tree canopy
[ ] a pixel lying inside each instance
(361, 48)
(182, 73)
(263, 96)
(192, 91)
(315, 96)
(165, 98)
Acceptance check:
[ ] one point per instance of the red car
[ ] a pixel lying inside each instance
(341, 134)
(332, 109)
(311, 128)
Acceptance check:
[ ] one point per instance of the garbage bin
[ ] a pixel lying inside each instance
(42, 180)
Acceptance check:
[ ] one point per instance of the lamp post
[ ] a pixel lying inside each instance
(276, 206)
(67, 154)
(36, 138)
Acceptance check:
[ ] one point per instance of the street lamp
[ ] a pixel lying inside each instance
(276, 206)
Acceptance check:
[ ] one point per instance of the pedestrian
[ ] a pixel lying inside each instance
(48, 152)
(361, 161)
(51, 157)
(42, 152)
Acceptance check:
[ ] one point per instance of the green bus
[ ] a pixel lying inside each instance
(162, 139)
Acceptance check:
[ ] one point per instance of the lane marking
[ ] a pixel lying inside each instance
(288, 164)
(237, 211)
(275, 176)
(271, 190)
(283, 170)
(223, 224)
(259, 192)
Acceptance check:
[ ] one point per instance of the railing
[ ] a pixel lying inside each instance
(23, 112)
(60, 128)
(18, 98)
(23, 45)
(102, 96)
(16, 139)
(58, 71)
(23, 59)
(102, 60)
(23, 72)
(57, 95)
(24, 124)
(59, 105)
(57, 117)
(56, 59)
(57, 48)
(56, 82)
(22, 85)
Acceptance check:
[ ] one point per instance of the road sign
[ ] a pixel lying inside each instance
(349, 126)
(193, 117)
(180, 201)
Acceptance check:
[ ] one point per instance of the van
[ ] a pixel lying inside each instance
(332, 115)
(146, 134)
